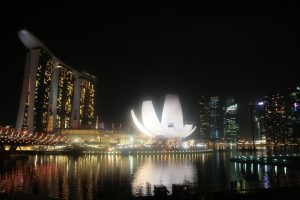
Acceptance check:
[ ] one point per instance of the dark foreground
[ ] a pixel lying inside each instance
(258, 194)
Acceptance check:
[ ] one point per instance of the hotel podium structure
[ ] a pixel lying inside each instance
(54, 95)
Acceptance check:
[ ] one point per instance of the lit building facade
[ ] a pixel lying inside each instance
(231, 125)
(204, 118)
(276, 119)
(54, 95)
(260, 120)
(215, 117)
(87, 102)
(294, 117)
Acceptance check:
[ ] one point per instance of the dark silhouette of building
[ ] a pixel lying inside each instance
(218, 119)
(215, 108)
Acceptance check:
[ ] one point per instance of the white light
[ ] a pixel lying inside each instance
(200, 145)
(284, 170)
(260, 103)
(131, 140)
(232, 108)
(139, 125)
(171, 124)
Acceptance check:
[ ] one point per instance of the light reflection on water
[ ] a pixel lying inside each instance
(163, 170)
(90, 177)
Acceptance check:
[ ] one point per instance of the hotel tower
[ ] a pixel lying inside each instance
(54, 95)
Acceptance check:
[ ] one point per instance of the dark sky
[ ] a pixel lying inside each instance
(142, 50)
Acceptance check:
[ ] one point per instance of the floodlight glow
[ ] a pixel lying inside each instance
(232, 108)
(261, 103)
(171, 124)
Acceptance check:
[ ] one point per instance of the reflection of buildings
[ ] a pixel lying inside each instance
(54, 95)
(164, 170)
(63, 177)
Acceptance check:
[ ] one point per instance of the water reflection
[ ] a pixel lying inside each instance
(163, 170)
(65, 177)
(93, 177)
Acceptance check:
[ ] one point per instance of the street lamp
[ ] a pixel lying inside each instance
(252, 126)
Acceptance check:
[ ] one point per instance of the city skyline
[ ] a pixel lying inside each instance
(210, 50)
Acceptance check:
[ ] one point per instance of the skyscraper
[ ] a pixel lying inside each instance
(204, 118)
(215, 116)
(294, 117)
(54, 95)
(218, 119)
(276, 122)
(260, 119)
(231, 126)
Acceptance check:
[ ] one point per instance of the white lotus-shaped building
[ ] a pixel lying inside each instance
(171, 124)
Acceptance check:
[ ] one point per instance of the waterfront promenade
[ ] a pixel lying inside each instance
(108, 152)
(285, 160)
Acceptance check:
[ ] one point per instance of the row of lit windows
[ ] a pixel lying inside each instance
(42, 93)
(64, 96)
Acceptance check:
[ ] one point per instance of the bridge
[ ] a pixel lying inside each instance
(15, 138)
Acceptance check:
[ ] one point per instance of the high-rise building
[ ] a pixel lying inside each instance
(204, 118)
(294, 117)
(276, 119)
(54, 95)
(231, 126)
(218, 119)
(260, 119)
(215, 117)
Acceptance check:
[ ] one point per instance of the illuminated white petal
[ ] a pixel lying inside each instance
(139, 125)
(172, 113)
(188, 127)
(189, 132)
(171, 125)
(150, 119)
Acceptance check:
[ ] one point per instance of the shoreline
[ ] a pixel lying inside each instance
(132, 152)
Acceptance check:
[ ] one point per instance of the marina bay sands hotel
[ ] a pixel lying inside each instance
(54, 95)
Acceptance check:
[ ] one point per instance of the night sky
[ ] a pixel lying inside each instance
(144, 51)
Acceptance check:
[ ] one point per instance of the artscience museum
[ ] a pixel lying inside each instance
(171, 124)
